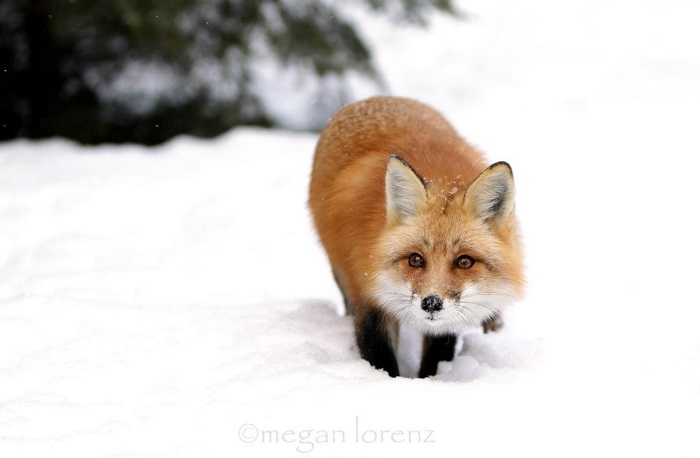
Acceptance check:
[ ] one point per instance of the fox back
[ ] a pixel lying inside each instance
(419, 231)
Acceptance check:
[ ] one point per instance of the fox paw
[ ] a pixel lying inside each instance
(492, 324)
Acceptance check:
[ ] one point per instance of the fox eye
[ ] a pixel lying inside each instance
(416, 260)
(464, 262)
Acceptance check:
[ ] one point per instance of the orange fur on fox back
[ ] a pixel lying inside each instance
(347, 193)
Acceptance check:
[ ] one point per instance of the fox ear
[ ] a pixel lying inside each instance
(491, 197)
(405, 190)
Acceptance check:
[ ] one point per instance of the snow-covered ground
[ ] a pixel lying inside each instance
(175, 302)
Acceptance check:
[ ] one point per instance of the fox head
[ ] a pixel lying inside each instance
(448, 262)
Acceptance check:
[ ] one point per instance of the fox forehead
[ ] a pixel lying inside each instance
(443, 234)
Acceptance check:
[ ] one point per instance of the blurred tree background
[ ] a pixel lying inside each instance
(146, 70)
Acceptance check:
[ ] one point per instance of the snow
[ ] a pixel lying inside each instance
(174, 301)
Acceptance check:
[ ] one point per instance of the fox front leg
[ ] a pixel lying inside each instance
(374, 341)
(436, 349)
(492, 324)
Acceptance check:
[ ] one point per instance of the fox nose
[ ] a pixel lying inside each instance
(431, 304)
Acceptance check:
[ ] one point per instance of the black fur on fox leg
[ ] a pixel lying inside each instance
(375, 343)
(436, 349)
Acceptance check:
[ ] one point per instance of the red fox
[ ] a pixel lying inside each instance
(418, 230)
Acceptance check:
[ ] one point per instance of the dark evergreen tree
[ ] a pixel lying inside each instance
(144, 71)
